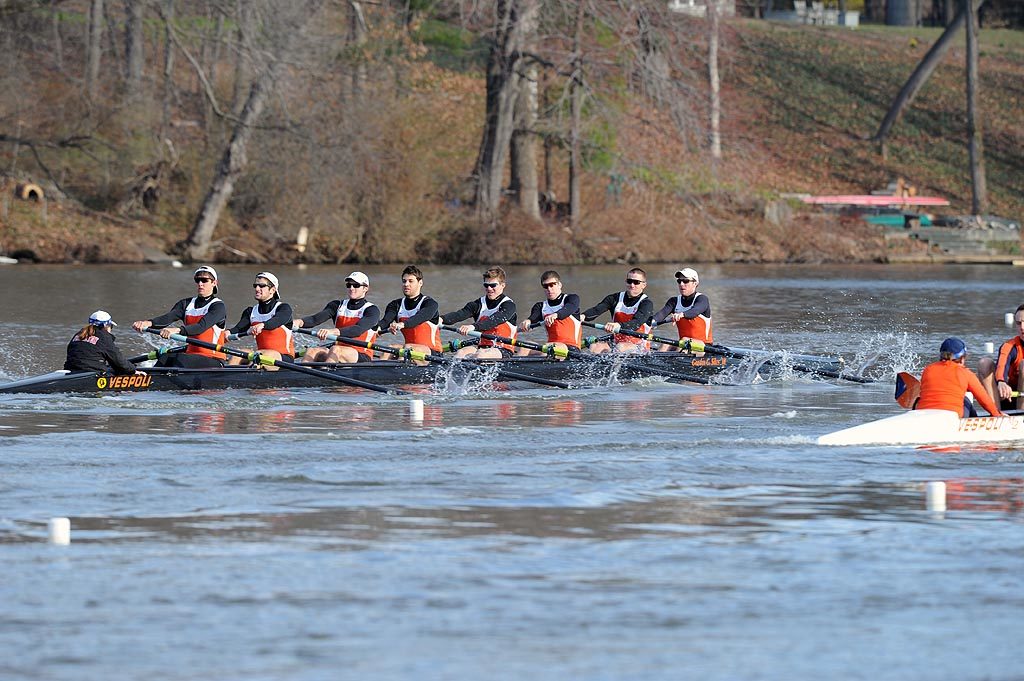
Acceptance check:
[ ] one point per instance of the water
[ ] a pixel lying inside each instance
(651, 530)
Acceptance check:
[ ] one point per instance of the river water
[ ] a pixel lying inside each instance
(639, 531)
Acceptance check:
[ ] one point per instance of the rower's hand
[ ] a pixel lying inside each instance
(142, 325)
(297, 324)
(612, 327)
(465, 329)
(525, 325)
(396, 327)
(256, 329)
(550, 319)
(140, 372)
(1005, 392)
(169, 331)
(676, 316)
(322, 334)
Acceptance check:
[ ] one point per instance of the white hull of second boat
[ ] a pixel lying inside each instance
(929, 427)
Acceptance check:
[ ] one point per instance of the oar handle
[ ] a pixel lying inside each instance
(684, 343)
(156, 353)
(547, 348)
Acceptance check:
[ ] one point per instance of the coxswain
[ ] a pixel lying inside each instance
(493, 313)
(203, 317)
(559, 313)
(1003, 377)
(355, 318)
(690, 310)
(269, 321)
(414, 315)
(945, 384)
(631, 310)
(93, 348)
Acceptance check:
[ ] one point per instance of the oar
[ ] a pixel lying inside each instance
(694, 345)
(551, 349)
(256, 358)
(155, 353)
(408, 353)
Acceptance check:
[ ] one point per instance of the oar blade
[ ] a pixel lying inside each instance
(908, 389)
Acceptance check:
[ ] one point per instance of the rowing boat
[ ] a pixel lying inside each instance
(395, 372)
(930, 427)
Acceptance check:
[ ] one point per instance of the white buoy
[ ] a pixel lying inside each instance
(1008, 318)
(416, 410)
(176, 264)
(935, 496)
(990, 347)
(60, 531)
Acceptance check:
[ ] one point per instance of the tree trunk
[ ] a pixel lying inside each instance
(714, 84)
(975, 143)
(168, 94)
(357, 36)
(245, 13)
(133, 46)
(500, 110)
(917, 79)
(576, 106)
(230, 167)
(58, 42)
(524, 137)
(94, 49)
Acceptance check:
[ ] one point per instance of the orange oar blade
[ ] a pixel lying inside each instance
(908, 389)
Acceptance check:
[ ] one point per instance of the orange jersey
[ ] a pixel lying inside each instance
(279, 339)
(698, 328)
(214, 334)
(944, 385)
(505, 329)
(568, 331)
(1011, 353)
(428, 333)
(624, 313)
(347, 317)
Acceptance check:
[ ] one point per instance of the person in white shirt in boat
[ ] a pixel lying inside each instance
(558, 313)
(414, 315)
(493, 313)
(204, 317)
(269, 321)
(355, 318)
(631, 310)
(690, 310)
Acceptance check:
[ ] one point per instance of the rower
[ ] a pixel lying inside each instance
(630, 310)
(493, 313)
(204, 317)
(93, 348)
(1004, 376)
(690, 310)
(414, 315)
(945, 384)
(558, 313)
(268, 321)
(355, 318)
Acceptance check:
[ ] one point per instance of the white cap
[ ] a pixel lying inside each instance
(359, 278)
(269, 277)
(209, 270)
(101, 318)
(688, 273)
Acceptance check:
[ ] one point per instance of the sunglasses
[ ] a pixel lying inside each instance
(635, 282)
(488, 284)
(203, 280)
(262, 285)
(551, 284)
(686, 281)
(352, 284)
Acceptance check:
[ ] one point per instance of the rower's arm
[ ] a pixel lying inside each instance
(536, 314)
(176, 314)
(468, 311)
(604, 306)
(643, 313)
(115, 358)
(282, 317)
(701, 306)
(570, 307)
(243, 322)
(981, 394)
(665, 311)
(369, 320)
(390, 315)
(427, 313)
(217, 315)
(506, 312)
(330, 311)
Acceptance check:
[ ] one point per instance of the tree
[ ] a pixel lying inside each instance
(975, 144)
(714, 83)
(134, 56)
(94, 49)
